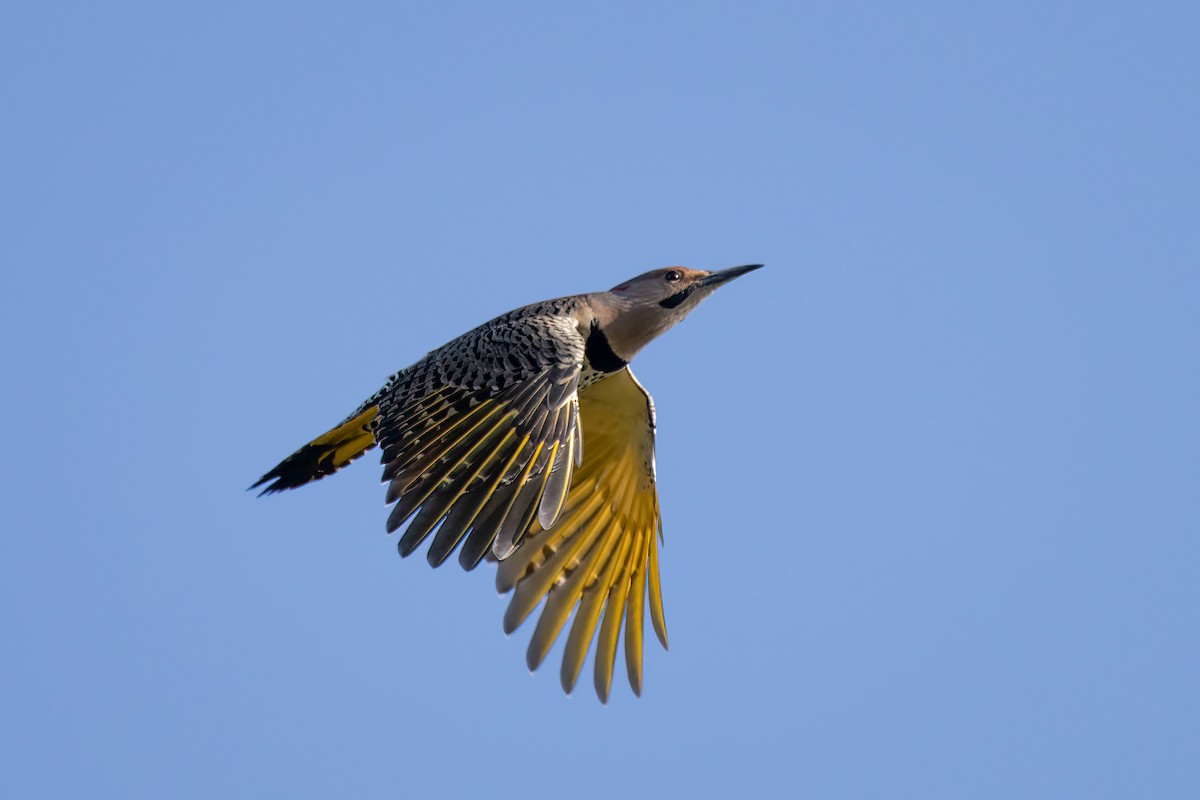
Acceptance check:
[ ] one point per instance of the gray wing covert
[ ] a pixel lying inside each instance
(481, 436)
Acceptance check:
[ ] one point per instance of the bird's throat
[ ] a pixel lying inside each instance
(599, 352)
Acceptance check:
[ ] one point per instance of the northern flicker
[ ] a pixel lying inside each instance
(528, 440)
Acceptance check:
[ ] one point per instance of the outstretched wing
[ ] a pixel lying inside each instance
(602, 552)
(481, 436)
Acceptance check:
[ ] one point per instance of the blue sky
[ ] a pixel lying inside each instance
(929, 480)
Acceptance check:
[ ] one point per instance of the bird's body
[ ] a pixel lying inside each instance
(483, 446)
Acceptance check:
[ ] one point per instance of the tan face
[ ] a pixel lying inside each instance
(649, 304)
(669, 286)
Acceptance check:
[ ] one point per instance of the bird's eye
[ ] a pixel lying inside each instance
(673, 275)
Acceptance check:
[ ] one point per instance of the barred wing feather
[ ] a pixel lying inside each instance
(479, 449)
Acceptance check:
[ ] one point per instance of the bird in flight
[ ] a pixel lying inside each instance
(528, 441)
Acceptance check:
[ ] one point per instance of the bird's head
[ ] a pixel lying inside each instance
(638, 310)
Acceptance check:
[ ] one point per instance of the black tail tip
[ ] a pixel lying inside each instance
(309, 463)
(278, 486)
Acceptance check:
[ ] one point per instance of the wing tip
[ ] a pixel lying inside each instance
(533, 659)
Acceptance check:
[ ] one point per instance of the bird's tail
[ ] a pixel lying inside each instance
(324, 455)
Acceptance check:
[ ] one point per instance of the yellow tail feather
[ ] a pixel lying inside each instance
(324, 455)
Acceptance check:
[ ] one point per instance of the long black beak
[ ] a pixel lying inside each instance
(726, 275)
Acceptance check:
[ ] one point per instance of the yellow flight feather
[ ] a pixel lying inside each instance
(600, 559)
